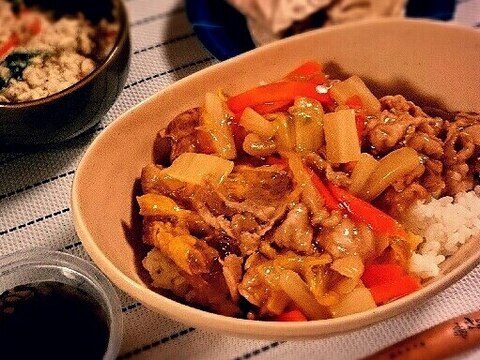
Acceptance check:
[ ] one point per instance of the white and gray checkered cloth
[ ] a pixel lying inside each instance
(35, 195)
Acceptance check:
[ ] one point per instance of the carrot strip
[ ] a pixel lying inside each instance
(279, 95)
(11, 42)
(365, 212)
(274, 92)
(310, 71)
(394, 289)
(330, 202)
(36, 26)
(272, 107)
(377, 274)
(292, 315)
(388, 281)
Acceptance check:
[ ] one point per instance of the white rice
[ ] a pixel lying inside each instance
(445, 224)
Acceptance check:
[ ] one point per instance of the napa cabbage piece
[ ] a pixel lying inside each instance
(190, 254)
(196, 168)
(310, 195)
(350, 266)
(152, 204)
(255, 145)
(262, 285)
(307, 117)
(256, 123)
(214, 121)
(341, 137)
(293, 285)
(344, 90)
(164, 272)
(360, 299)
(284, 132)
(390, 168)
(366, 164)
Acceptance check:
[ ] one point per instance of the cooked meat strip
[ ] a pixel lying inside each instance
(295, 232)
(190, 254)
(458, 178)
(211, 291)
(459, 146)
(397, 125)
(181, 133)
(462, 152)
(450, 147)
(319, 215)
(432, 179)
(466, 119)
(397, 202)
(402, 183)
(348, 238)
(184, 194)
(208, 290)
(263, 185)
(247, 204)
(336, 176)
(233, 272)
(426, 144)
(474, 132)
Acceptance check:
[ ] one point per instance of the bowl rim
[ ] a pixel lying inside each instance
(244, 327)
(123, 33)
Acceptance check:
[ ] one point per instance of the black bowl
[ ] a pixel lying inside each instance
(70, 112)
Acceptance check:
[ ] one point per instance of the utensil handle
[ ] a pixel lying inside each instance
(440, 341)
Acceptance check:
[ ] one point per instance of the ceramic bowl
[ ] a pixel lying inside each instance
(429, 62)
(68, 113)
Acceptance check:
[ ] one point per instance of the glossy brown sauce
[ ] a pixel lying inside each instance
(51, 320)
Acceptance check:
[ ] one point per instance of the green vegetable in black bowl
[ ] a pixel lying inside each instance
(69, 112)
(16, 62)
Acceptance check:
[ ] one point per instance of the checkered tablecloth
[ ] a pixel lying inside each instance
(35, 200)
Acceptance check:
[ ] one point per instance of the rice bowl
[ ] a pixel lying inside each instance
(93, 189)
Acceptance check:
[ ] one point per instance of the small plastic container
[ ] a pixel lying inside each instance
(45, 266)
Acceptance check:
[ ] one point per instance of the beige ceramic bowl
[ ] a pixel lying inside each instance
(429, 62)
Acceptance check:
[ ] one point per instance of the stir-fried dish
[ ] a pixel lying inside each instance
(302, 199)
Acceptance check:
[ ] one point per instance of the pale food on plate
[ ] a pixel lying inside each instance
(270, 20)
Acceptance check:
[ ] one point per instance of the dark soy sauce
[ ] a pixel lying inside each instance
(51, 320)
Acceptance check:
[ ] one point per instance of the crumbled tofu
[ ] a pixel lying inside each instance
(49, 55)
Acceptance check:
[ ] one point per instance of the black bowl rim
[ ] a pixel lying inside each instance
(122, 35)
